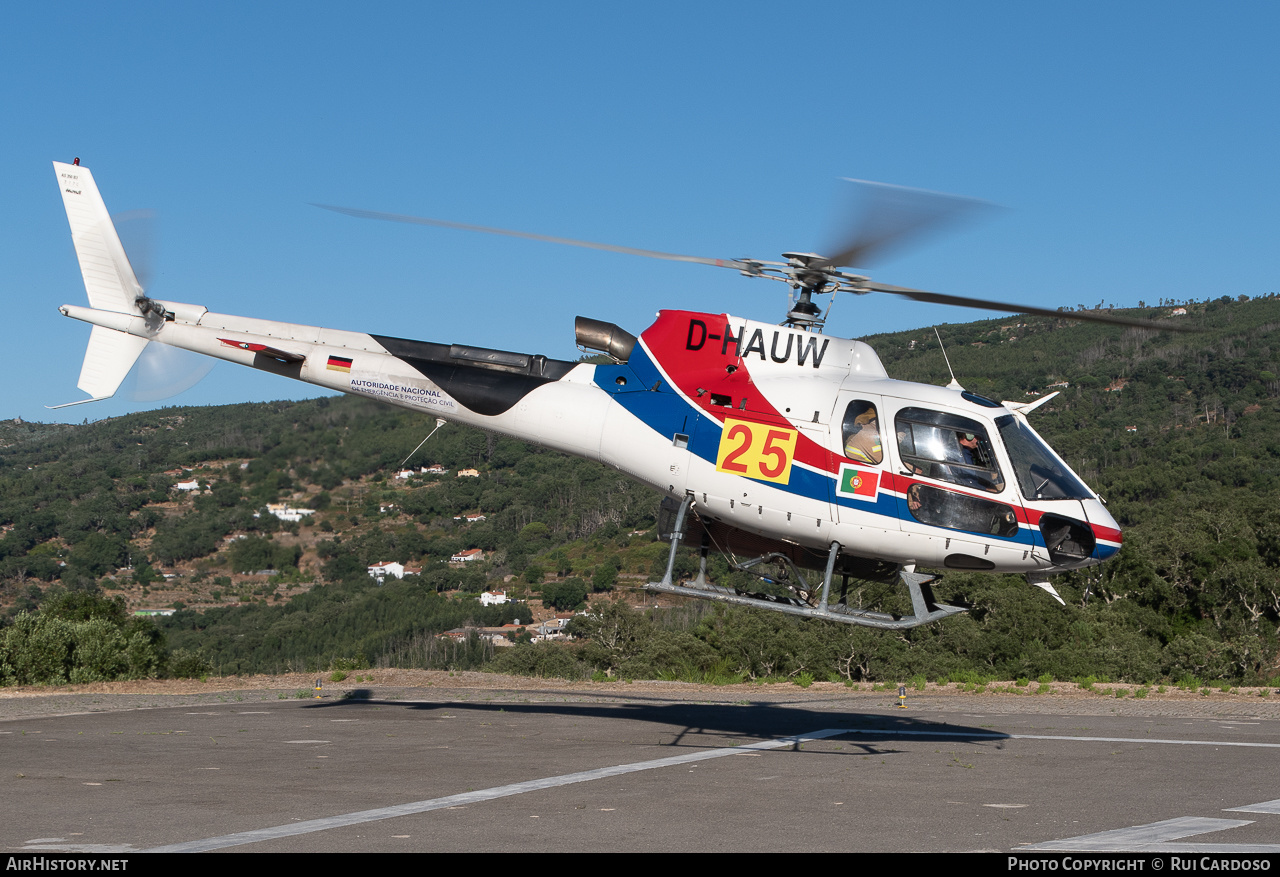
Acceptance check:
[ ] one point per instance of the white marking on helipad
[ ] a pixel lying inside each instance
(1264, 807)
(1158, 837)
(78, 848)
(330, 822)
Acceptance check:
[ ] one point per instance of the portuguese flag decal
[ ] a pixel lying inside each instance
(855, 482)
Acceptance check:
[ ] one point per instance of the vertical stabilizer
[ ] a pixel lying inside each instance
(108, 279)
(108, 276)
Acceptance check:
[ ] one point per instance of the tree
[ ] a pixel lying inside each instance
(79, 637)
(565, 595)
(605, 577)
(615, 634)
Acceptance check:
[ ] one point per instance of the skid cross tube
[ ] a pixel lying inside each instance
(925, 607)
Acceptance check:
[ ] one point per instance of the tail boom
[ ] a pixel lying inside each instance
(550, 412)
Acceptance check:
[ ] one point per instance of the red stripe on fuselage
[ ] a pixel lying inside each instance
(700, 353)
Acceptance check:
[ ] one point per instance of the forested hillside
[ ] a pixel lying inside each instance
(1179, 432)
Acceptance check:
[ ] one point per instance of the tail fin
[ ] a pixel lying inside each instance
(108, 279)
(108, 276)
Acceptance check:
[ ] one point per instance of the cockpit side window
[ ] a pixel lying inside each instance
(862, 433)
(948, 447)
(1038, 470)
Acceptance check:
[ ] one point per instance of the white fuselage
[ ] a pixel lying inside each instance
(666, 433)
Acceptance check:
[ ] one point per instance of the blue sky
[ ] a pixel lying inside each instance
(1134, 145)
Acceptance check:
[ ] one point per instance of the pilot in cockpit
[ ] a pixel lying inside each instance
(862, 433)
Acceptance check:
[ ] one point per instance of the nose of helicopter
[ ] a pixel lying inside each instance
(1106, 532)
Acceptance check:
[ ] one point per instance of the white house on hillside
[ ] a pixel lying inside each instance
(285, 512)
(380, 571)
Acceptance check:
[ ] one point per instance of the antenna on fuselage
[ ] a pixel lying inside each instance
(440, 421)
(954, 385)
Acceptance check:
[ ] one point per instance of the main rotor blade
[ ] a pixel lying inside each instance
(590, 245)
(983, 304)
(889, 215)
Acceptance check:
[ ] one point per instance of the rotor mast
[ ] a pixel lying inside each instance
(808, 281)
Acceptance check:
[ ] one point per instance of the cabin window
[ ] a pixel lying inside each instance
(960, 511)
(947, 447)
(862, 433)
(1040, 472)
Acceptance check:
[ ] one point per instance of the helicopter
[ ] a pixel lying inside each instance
(790, 451)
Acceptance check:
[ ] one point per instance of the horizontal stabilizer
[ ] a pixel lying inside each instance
(1025, 408)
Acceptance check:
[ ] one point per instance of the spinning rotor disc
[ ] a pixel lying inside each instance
(890, 217)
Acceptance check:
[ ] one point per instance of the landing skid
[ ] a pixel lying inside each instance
(803, 600)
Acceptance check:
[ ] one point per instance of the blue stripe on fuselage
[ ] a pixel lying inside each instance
(667, 412)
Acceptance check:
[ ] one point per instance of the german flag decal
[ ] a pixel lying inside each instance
(339, 364)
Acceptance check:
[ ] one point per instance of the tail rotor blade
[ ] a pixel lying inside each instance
(137, 231)
(163, 372)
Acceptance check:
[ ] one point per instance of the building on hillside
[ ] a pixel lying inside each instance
(437, 469)
(493, 598)
(468, 473)
(552, 628)
(379, 572)
(286, 512)
(467, 556)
